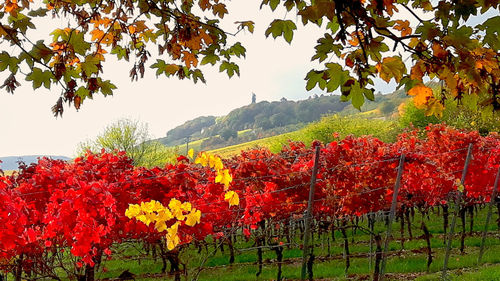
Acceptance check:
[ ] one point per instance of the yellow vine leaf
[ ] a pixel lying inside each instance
(193, 217)
(224, 177)
(191, 153)
(172, 237)
(232, 197)
(154, 212)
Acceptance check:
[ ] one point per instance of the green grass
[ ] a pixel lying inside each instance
(264, 142)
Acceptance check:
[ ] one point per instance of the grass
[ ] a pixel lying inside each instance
(409, 263)
(268, 142)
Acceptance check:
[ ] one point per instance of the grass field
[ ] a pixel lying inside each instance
(408, 263)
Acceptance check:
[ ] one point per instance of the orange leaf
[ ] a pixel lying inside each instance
(189, 59)
(131, 29)
(204, 4)
(418, 71)
(97, 34)
(403, 26)
(438, 50)
(203, 35)
(421, 95)
(171, 68)
(389, 6)
(354, 38)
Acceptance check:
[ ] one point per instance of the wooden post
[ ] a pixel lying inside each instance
(455, 213)
(488, 217)
(308, 215)
(392, 214)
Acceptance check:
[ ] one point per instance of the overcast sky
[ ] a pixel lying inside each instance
(272, 70)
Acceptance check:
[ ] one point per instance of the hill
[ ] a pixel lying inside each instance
(267, 119)
(11, 162)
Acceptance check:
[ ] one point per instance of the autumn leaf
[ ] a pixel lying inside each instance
(232, 197)
(403, 26)
(193, 217)
(204, 4)
(434, 107)
(224, 177)
(421, 95)
(172, 237)
(171, 69)
(391, 67)
(438, 50)
(417, 71)
(250, 25)
(219, 10)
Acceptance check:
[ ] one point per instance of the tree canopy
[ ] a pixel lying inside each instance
(408, 41)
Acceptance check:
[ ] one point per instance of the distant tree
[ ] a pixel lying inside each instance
(132, 137)
(279, 119)
(254, 98)
(387, 107)
(227, 134)
(262, 121)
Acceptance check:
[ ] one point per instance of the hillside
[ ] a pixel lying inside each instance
(267, 119)
(11, 162)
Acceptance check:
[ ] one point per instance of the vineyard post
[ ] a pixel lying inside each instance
(488, 217)
(308, 215)
(455, 213)
(392, 213)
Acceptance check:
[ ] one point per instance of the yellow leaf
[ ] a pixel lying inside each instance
(186, 206)
(160, 226)
(164, 215)
(176, 208)
(421, 95)
(172, 237)
(132, 211)
(191, 153)
(232, 197)
(193, 217)
(202, 159)
(223, 177)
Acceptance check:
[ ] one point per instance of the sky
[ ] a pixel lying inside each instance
(272, 69)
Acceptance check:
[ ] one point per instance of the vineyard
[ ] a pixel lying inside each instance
(72, 220)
